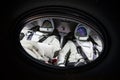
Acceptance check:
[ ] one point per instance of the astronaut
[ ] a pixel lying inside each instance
(79, 51)
(43, 49)
(88, 47)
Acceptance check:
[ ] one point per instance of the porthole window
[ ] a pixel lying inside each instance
(61, 42)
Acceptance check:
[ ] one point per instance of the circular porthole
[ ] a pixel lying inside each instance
(60, 40)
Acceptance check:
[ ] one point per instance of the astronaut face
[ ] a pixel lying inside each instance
(46, 24)
(82, 32)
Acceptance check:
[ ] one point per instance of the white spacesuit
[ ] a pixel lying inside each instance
(70, 51)
(82, 50)
(38, 48)
(42, 51)
(90, 49)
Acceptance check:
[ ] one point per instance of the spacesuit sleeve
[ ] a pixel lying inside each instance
(74, 56)
(63, 53)
(49, 40)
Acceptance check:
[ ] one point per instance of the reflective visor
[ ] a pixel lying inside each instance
(81, 32)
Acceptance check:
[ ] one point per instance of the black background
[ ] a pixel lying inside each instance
(12, 67)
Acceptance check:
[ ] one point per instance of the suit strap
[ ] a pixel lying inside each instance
(83, 54)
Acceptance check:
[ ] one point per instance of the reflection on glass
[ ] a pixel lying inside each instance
(61, 42)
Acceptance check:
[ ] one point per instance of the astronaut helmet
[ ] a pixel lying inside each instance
(82, 32)
(47, 26)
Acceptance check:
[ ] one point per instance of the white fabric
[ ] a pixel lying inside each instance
(74, 56)
(83, 38)
(42, 51)
(87, 48)
(36, 36)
